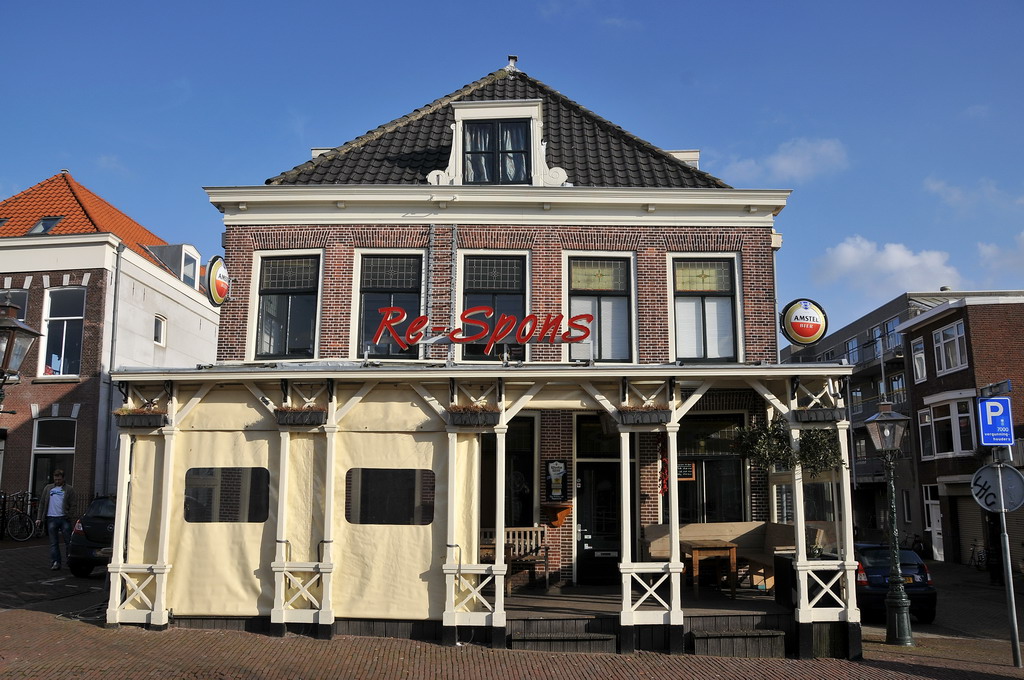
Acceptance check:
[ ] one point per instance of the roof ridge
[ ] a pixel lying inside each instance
(71, 182)
(381, 130)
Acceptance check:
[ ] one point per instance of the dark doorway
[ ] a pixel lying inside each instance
(599, 529)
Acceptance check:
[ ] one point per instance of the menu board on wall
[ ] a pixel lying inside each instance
(685, 472)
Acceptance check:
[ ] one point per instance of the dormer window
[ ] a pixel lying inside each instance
(189, 270)
(498, 142)
(497, 152)
(44, 225)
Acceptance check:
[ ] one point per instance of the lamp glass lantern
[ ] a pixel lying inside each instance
(887, 428)
(16, 338)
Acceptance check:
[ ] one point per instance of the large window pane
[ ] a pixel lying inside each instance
(64, 328)
(499, 283)
(496, 152)
(288, 307)
(227, 494)
(59, 434)
(600, 287)
(704, 309)
(389, 496)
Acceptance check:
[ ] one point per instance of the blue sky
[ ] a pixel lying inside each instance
(896, 125)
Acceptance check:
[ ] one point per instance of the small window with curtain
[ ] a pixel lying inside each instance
(286, 326)
(600, 287)
(496, 152)
(705, 310)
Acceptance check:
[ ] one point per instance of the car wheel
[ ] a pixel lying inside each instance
(926, 616)
(80, 570)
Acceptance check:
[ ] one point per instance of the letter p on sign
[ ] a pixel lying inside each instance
(996, 421)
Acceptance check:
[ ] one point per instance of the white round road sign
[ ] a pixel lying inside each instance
(985, 488)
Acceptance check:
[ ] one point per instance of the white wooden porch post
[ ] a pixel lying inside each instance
(800, 523)
(846, 502)
(277, 614)
(500, 568)
(162, 568)
(326, 567)
(626, 510)
(120, 545)
(675, 558)
(451, 561)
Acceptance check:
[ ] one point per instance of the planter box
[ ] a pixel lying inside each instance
(819, 415)
(474, 418)
(146, 420)
(650, 417)
(305, 418)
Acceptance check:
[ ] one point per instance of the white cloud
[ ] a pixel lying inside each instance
(887, 270)
(996, 257)
(796, 160)
(984, 194)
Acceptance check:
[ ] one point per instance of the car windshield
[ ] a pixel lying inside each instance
(879, 557)
(101, 508)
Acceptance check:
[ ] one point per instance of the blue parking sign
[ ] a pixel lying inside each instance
(996, 421)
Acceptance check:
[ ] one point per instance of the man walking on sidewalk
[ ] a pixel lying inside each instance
(57, 499)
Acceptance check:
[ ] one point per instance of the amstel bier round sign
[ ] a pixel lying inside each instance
(218, 283)
(803, 322)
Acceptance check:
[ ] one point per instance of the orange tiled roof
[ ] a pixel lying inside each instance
(83, 212)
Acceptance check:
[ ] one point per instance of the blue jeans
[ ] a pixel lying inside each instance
(54, 527)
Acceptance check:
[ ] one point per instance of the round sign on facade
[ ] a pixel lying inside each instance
(986, 483)
(803, 322)
(218, 283)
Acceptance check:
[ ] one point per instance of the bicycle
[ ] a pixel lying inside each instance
(20, 525)
(978, 558)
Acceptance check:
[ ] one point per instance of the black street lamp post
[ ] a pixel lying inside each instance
(887, 429)
(16, 338)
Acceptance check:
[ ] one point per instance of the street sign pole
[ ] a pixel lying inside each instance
(1008, 574)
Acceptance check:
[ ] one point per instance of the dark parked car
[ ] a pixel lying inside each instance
(873, 581)
(92, 538)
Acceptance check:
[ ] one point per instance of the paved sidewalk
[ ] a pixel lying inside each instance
(51, 626)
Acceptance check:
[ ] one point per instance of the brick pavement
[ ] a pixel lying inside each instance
(45, 638)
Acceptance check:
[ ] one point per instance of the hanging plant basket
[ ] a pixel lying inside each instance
(307, 417)
(767, 444)
(473, 418)
(149, 420)
(819, 415)
(820, 451)
(644, 416)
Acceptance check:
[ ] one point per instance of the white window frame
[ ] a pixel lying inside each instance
(907, 505)
(918, 360)
(959, 341)
(954, 417)
(160, 330)
(566, 305)
(254, 299)
(185, 257)
(459, 303)
(355, 351)
(43, 341)
(737, 320)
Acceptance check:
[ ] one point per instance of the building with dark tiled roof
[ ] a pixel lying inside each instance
(495, 341)
(104, 291)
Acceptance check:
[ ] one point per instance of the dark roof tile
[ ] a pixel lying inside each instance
(592, 150)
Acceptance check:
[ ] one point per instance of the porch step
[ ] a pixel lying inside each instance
(758, 643)
(602, 643)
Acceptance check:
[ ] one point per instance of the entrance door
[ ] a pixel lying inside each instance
(933, 520)
(598, 527)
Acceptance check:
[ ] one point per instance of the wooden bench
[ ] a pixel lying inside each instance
(524, 548)
(756, 543)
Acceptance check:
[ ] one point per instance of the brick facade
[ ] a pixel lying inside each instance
(650, 247)
(56, 396)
